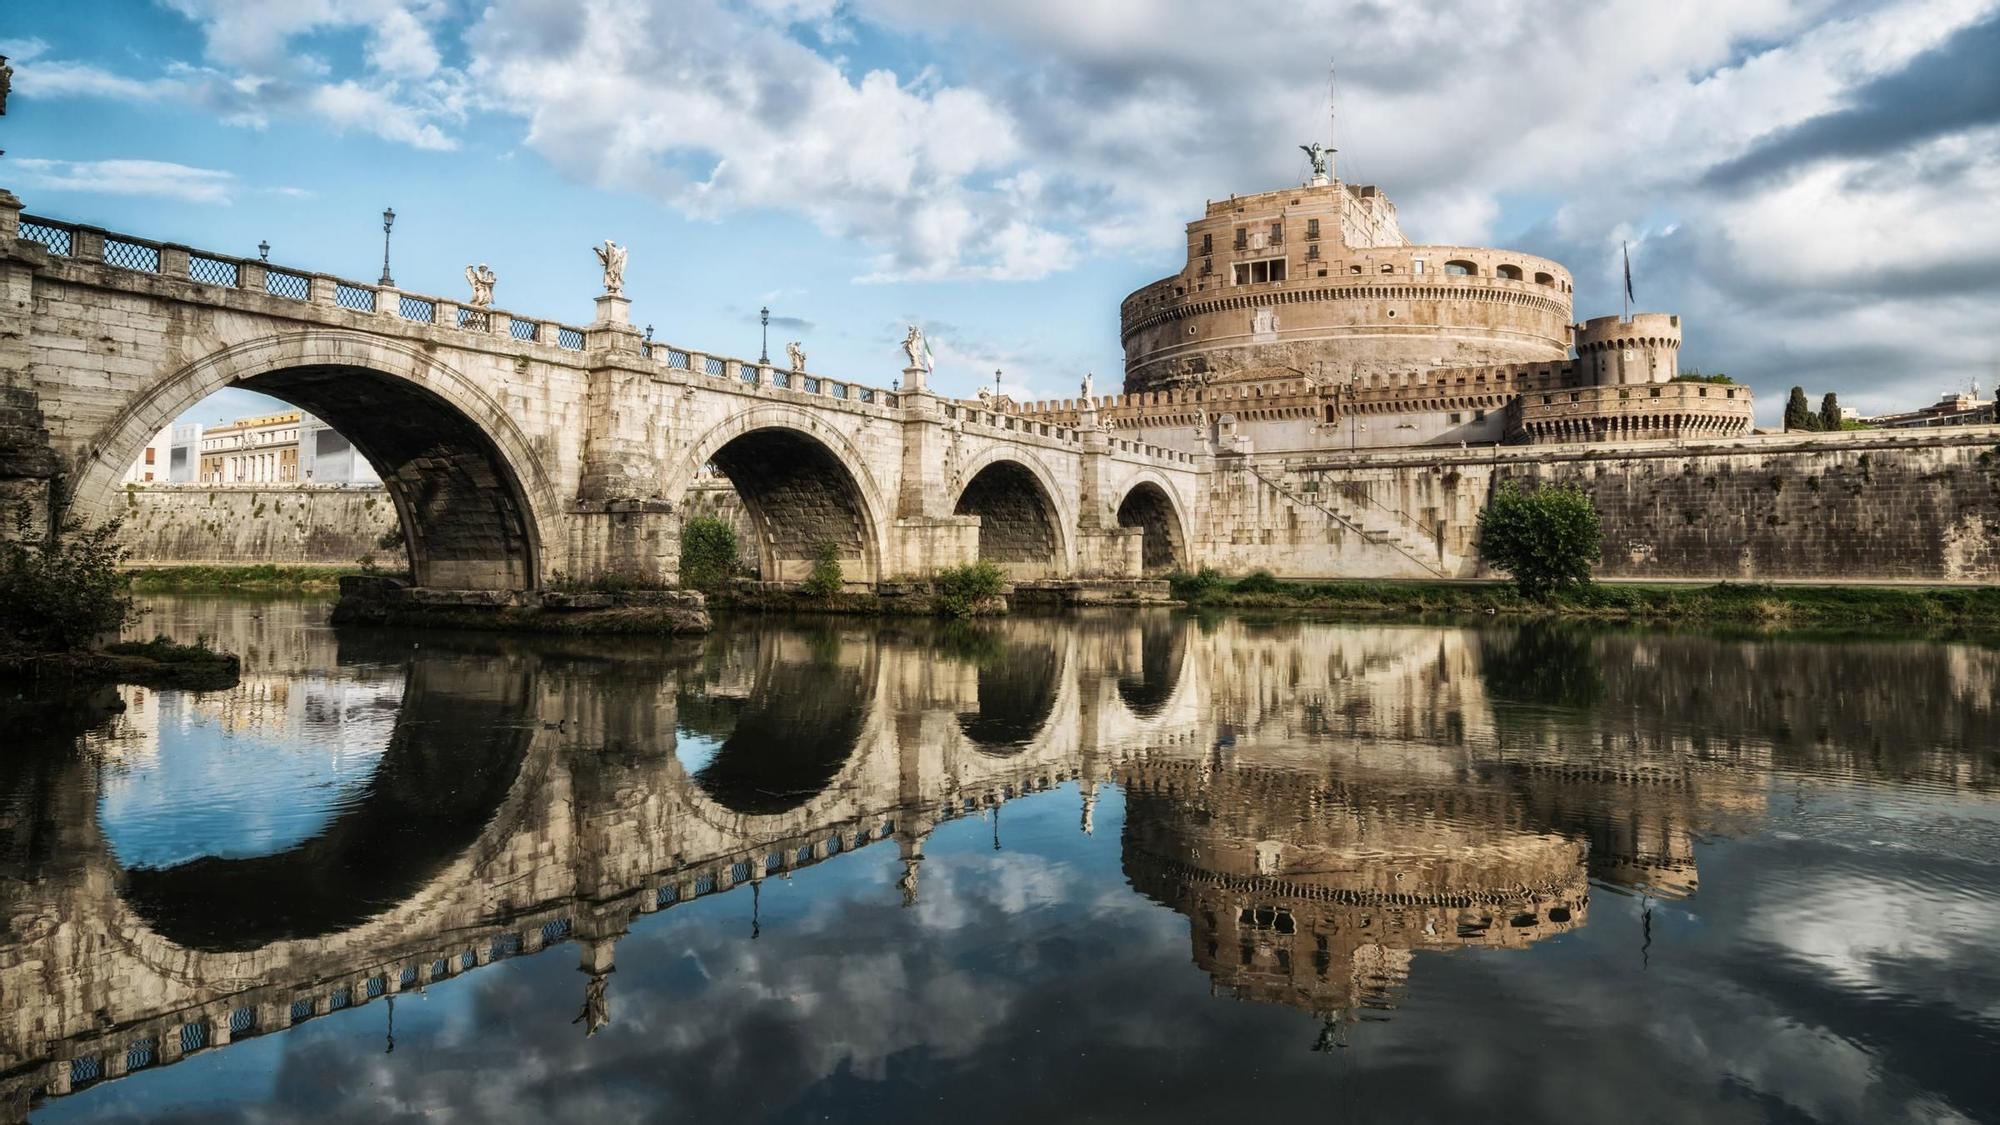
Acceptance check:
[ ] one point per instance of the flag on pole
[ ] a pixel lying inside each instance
(1628, 272)
(930, 361)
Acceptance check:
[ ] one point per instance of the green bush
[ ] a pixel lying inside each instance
(1193, 586)
(1546, 540)
(1258, 582)
(60, 594)
(709, 553)
(826, 579)
(960, 589)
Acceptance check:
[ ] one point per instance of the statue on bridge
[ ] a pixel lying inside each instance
(1089, 387)
(797, 355)
(481, 279)
(917, 348)
(612, 256)
(6, 83)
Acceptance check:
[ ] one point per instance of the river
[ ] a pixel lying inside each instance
(1119, 866)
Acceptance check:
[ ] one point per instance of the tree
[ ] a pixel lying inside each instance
(62, 593)
(1829, 412)
(1546, 540)
(709, 553)
(1798, 412)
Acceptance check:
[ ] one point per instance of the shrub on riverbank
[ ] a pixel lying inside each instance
(710, 555)
(1546, 540)
(826, 578)
(963, 591)
(60, 594)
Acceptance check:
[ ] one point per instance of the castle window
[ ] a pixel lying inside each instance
(1461, 268)
(1207, 267)
(1479, 416)
(1417, 267)
(1544, 279)
(1354, 269)
(1454, 419)
(1242, 273)
(1208, 244)
(1388, 267)
(1277, 233)
(1243, 238)
(1511, 273)
(1312, 252)
(1312, 228)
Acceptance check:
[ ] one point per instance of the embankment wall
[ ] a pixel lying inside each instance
(1859, 506)
(191, 524)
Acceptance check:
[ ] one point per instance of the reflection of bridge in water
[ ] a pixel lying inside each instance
(1321, 803)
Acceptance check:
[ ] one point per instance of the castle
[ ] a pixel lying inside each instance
(1305, 319)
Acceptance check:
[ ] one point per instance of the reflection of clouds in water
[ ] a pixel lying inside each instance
(186, 778)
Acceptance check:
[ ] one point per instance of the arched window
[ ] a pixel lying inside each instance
(1459, 267)
(1511, 273)
(1544, 279)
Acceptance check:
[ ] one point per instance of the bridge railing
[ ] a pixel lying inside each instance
(202, 267)
(796, 383)
(82, 243)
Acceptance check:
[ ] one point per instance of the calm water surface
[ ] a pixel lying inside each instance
(1131, 867)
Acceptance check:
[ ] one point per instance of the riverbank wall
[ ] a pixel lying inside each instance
(236, 525)
(1862, 506)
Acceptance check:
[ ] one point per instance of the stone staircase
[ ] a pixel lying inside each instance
(1377, 527)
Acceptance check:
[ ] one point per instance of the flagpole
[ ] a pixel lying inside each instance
(1626, 247)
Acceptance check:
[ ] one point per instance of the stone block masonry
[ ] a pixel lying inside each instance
(242, 526)
(1865, 506)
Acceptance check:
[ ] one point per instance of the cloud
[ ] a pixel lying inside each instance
(1949, 88)
(132, 177)
(717, 110)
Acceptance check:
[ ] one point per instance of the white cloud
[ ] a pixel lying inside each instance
(131, 177)
(375, 110)
(717, 110)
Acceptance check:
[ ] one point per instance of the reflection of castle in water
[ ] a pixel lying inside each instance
(1321, 803)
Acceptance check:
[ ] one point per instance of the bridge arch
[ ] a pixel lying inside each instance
(1023, 522)
(473, 495)
(802, 483)
(1151, 506)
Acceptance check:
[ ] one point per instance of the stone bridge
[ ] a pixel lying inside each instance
(521, 451)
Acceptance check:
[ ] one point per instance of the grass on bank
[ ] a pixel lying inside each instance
(261, 576)
(1726, 603)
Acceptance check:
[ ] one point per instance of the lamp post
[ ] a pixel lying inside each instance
(388, 220)
(764, 351)
(264, 250)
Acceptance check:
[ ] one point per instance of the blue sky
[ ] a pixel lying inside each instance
(1807, 181)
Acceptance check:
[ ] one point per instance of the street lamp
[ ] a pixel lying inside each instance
(388, 220)
(764, 352)
(264, 250)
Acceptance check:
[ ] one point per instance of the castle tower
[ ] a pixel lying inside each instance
(1320, 279)
(1615, 352)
